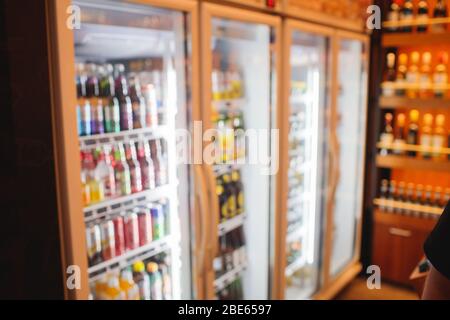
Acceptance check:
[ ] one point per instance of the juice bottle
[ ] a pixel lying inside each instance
(142, 279)
(166, 281)
(112, 290)
(96, 185)
(135, 168)
(156, 287)
(128, 286)
(100, 288)
(122, 172)
(105, 172)
(112, 115)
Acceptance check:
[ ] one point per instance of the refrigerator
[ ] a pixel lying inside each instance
(240, 54)
(323, 148)
(125, 84)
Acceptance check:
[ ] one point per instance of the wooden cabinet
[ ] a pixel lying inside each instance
(398, 244)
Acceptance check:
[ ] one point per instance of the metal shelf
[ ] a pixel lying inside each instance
(117, 263)
(103, 209)
(97, 140)
(229, 277)
(231, 224)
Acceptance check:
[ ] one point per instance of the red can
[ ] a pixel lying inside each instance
(108, 240)
(145, 226)
(119, 235)
(131, 231)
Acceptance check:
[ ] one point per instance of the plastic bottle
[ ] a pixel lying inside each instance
(112, 290)
(156, 287)
(128, 286)
(142, 279)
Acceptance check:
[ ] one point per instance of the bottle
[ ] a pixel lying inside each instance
(445, 198)
(384, 192)
(122, 172)
(392, 194)
(230, 194)
(426, 135)
(437, 197)
(413, 131)
(94, 244)
(239, 139)
(120, 81)
(401, 196)
(428, 194)
(400, 139)
(241, 248)
(81, 100)
(112, 116)
(387, 137)
(402, 70)
(107, 89)
(158, 221)
(223, 201)
(128, 286)
(96, 184)
(407, 15)
(438, 138)
(413, 75)
(390, 76)
(159, 162)
(156, 288)
(440, 11)
(135, 168)
(238, 191)
(113, 290)
(147, 167)
(440, 76)
(105, 172)
(166, 281)
(151, 106)
(138, 103)
(227, 253)
(142, 279)
(409, 197)
(394, 14)
(422, 16)
(425, 80)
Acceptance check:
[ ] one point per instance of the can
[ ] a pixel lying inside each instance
(119, 235)
(94, 244)
(108, 240)
(145, 226)
(131, 231)
(157, 221)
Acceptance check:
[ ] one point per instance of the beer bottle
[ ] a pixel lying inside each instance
(384, 191)
(230, 194)
(223, 203)
(238, 191)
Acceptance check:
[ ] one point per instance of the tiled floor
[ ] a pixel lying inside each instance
(357, 290)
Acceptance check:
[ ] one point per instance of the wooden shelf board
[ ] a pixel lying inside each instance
(415, 39)
(402, 162)
(403, 102)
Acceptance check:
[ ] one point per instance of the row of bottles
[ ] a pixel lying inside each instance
(406, 12)
(123, 169)
(417, 79)
(230, 191)
(409, 193)
(148, 280)
(233, 291)
(232, 252)
(110, 101)
(127, 231)
(230, 140)
(227, 79)
(431, 135)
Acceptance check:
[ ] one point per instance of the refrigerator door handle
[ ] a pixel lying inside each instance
(213, 242)
(200, 251)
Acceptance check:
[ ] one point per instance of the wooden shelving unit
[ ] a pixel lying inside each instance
(415, 39)
(396, 102)
(403, 162)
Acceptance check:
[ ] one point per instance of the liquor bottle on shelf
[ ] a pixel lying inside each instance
(401, 195)
(390, 75)
(384, 192)
(413, 75)
(440, 11)
(419, 194)
(445, 198)
(387, 137)
(440, 76)
(392, 194)
(425, 79)
(409, 196)
(402, 70)
(407, 15)
(413, 131)
(394, 14)
(438, 138)
(400, 139)
(426, 135)
(422, 16)
(437, 197)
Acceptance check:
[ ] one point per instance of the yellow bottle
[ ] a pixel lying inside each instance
(426, 134)
(129, 288)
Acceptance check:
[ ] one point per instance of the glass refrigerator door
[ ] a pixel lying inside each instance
(351, 129)
(308, 92)
(242, 92)
(132, 91)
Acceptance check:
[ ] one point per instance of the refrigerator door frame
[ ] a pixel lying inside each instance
(208, 11)
(289, 26)
(62, 72)
(332, 285)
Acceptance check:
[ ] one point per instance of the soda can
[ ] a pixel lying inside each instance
(157, 221)
(119, 235)
(131, 231)
(108, 240)
(145, 226)
(94, 244)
